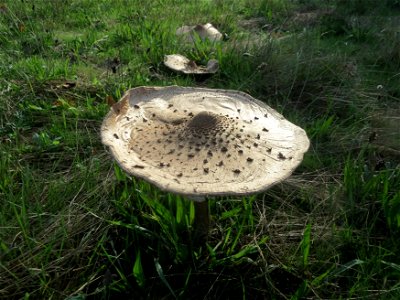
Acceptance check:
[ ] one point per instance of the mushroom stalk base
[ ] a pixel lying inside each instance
(201, 221)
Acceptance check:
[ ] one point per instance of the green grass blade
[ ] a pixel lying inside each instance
(392, 265)
(301, 291)
(179, 210)
(138, 270)
(160, 273)
(306, 245)
(345, 267)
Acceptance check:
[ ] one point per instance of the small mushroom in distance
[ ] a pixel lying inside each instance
(180, 63)
(204, 32)
(201, 143)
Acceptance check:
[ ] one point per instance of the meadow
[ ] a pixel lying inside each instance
(74, 226)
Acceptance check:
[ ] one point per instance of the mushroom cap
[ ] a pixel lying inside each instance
(180, 63)
(202, 142)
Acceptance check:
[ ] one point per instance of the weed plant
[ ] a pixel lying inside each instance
(74, 226)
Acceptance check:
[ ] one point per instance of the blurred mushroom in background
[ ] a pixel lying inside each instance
(204, 32)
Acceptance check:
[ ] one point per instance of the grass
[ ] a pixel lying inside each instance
(74, 226)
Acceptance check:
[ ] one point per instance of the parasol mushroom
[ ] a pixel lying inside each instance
(206, 31)
(202, 143)
(180, 63)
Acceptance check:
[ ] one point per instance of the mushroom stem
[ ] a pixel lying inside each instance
(201, 221)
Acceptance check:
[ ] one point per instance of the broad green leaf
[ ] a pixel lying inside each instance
(179, 211)
(138, 270)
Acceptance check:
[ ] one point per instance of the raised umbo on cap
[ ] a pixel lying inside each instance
(202, 142)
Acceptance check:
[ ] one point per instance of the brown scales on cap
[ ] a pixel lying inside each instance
(220, 149)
